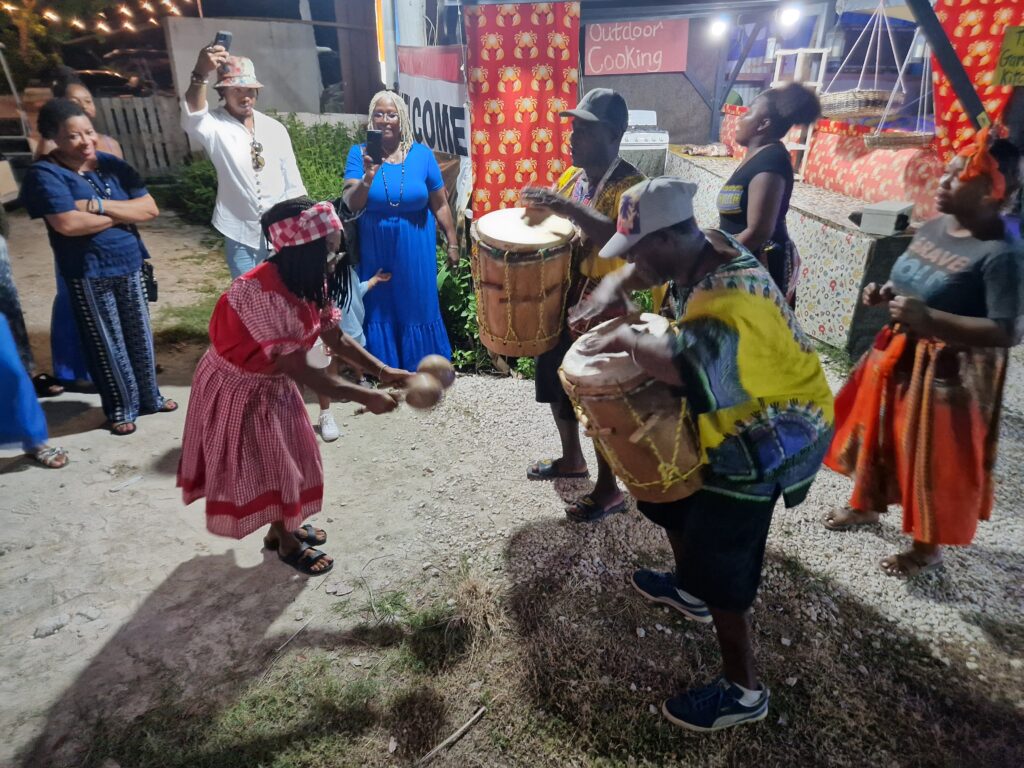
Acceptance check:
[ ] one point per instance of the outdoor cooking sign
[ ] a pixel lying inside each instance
(636, 47)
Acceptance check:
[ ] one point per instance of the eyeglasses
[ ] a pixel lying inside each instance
(389, 116)
(258, 162)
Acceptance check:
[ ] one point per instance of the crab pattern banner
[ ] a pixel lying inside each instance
(523, 69)
(976, 29)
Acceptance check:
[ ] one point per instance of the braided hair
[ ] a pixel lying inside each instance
(302, 266)
(404, 123)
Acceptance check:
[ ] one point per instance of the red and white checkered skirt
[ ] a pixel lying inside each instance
(249, 449)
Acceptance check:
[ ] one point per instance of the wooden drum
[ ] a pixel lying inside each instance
(637, 423)
(521, 279)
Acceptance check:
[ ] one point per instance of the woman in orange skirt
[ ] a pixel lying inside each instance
(917, 423)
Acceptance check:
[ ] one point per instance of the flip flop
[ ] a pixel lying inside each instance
(906, 565)
(122, 428)
(545, 470)
(302, 563)
(308, 537)
(47, 386)
(586, 510)
(829, 520)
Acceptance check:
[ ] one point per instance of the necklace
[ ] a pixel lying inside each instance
(105, 191)
(401, 189)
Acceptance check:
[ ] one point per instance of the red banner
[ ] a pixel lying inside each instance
(523, 69)
(976, 29)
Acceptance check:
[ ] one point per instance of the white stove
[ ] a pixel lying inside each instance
(644, 144)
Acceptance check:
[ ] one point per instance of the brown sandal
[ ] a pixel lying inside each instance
(846, 519)
(907, 565)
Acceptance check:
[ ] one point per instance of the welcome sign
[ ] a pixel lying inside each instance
(636, 47)
(429, 82)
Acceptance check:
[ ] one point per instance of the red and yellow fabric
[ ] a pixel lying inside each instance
(975, 27)
(523, 69)
(917, 424)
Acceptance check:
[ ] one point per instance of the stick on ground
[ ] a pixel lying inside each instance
(453, 738)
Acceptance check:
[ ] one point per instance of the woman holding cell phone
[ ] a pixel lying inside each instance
(397, 185)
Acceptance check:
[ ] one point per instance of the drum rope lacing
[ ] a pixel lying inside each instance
(669, 473)
(510, 335)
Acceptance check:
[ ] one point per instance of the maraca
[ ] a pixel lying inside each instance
(439, 368)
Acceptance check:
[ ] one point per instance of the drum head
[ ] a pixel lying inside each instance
(603, 369)
(508, 230)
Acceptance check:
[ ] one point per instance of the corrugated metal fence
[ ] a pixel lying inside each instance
(149, 130)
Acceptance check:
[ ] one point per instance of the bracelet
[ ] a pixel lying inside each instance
(99, 204)
(198, 78)
(380, 371)
(91, 205)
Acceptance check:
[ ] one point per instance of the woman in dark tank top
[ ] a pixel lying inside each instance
(753, 203)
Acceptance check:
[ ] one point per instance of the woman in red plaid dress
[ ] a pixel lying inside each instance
(248, 446)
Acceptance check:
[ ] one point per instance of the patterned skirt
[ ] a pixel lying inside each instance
(249, 449)
(917, 424)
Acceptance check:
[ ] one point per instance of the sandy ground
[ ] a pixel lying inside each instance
(113, 595)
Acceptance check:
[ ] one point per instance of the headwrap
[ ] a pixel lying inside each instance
(980, 163)
(312, 224)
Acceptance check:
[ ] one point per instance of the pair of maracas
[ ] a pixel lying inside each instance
(425, 388)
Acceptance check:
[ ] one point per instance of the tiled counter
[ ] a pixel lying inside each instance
(837, 258)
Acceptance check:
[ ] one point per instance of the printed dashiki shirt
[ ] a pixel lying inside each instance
(575, 185)
(754, 383)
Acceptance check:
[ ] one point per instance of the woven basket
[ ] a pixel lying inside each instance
(847, 105)
(898, 140)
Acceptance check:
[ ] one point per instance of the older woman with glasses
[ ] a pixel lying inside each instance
(401, 194)
(252, 153)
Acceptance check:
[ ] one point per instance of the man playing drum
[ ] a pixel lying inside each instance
(587, 193)
(763, 414)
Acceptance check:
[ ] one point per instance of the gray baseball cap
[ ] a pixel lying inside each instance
(601, 105)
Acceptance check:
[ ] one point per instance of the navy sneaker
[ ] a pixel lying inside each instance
(661, 588)
(713, 707)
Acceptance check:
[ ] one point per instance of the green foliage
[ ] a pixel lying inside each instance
(458, 309)
(320, 152)
(526, 367)
(196, 191)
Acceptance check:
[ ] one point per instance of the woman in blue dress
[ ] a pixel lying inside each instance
(400, 199)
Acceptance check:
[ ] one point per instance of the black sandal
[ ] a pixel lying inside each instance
(47, 386)
(586, 510)
(303, 563)
(308, 536)
(545, 470)
(122, 428)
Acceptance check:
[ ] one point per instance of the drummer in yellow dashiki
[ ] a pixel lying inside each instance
(763, 412)
(588, 193)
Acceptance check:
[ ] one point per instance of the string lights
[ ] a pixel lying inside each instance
(125, 21)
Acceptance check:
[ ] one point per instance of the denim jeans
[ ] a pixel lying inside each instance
(241, 258)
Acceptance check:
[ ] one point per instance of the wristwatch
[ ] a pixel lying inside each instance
(198, 78)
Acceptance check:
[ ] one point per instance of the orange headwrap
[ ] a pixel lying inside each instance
(980, 163)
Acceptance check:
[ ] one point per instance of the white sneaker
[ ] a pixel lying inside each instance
(328, 428)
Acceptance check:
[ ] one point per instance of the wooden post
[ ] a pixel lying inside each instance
(357, 50)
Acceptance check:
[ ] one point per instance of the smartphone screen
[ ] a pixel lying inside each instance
(373, 146)
(223, 38)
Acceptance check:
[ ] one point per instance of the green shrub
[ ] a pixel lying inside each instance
(458, 309)
(196, 191)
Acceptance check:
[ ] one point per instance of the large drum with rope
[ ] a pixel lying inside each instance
(521, 273)
(638, 423)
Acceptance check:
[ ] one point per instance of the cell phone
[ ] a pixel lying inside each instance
(373, 146)
(223, 38)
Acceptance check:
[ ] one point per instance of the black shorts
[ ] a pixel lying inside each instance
(548, 386)
(723, 541)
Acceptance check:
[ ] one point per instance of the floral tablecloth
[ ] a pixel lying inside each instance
(834, 252)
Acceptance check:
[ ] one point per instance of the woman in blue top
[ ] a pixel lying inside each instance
(400, 199)
(91, 202)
